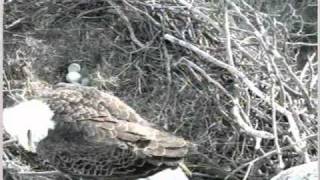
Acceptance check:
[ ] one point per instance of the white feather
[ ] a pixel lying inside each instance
(31, 115)
(168, 174)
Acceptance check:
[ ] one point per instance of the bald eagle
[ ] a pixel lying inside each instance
(94, 135)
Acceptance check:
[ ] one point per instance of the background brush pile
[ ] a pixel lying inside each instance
(238, 78)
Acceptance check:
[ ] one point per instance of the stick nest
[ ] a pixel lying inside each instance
(236, 78)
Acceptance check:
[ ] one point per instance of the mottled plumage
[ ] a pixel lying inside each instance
(97, 136)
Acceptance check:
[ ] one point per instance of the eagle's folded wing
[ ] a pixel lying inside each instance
(94, 127)
(150, 143)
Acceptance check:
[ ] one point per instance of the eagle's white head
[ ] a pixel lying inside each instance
(28, 122)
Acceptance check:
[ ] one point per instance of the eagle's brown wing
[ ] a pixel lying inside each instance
(95, 127)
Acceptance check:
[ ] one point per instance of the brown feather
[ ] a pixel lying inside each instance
(94, 126)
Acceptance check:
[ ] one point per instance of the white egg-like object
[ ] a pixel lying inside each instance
(74, 67)
(85, 81)
(73, 77)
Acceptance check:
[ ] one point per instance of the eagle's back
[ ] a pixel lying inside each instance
(73, 102)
